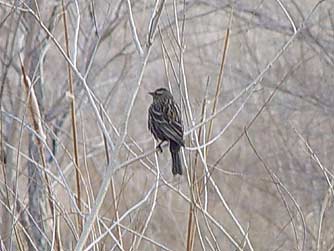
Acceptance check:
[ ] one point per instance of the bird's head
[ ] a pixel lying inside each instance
(160, 93)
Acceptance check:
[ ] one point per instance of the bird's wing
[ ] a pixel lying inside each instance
(168, 121)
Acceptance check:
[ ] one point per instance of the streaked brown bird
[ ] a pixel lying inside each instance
(164, 121)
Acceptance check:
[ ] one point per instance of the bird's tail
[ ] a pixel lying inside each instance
(176, 161)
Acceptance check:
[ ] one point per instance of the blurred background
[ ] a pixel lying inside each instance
(253, 80)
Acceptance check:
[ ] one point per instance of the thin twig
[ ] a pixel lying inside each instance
(286, 12)
(278, 183)
(74, 120)
(134, 30)
(251, 85)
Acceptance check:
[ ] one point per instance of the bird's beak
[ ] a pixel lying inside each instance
(151, 93)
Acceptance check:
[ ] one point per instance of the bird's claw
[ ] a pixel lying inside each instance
(159, 147)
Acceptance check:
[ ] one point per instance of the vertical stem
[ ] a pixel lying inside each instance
(73, 117)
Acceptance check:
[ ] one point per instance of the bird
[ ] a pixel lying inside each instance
(164, 122)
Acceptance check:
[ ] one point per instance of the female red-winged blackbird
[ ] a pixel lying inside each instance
(164, 121)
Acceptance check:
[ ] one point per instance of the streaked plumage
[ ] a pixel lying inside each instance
(165, 123)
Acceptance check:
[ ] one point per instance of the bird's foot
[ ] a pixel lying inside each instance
(159, 146)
